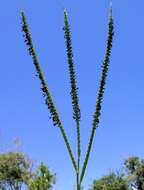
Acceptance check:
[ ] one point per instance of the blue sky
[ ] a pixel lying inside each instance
(22, 109)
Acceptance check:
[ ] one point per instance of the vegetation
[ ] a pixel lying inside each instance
(132, 178)
(16, 173)
(112, 181)
(79, 171)
(135, 171)
(42, 179)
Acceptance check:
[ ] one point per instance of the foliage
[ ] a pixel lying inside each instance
(111, 181)
(135, 170)
(15, 170)
(74, 92)
(42, 179)
(16, 173)
(132, 179)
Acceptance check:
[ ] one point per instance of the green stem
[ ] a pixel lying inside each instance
(78, 184)
(74, 93)
(78, 154)
(100, 93)
(44, 88)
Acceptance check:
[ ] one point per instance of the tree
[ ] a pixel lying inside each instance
(112, 181)
(42, 179)
(15, 171)
(132, 178)
(135, 171)
(79, 172)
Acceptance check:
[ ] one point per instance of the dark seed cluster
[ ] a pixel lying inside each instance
(104, 73)
(48, 99)
(100, 92)
(44, 88)
(74, 89)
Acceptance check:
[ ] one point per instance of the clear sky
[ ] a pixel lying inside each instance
(23, 113)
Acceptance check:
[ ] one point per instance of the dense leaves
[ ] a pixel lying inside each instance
(112, 181)
(132, 178)
(16, 173)
(15, 170)
(42, 179)
(135, 170)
